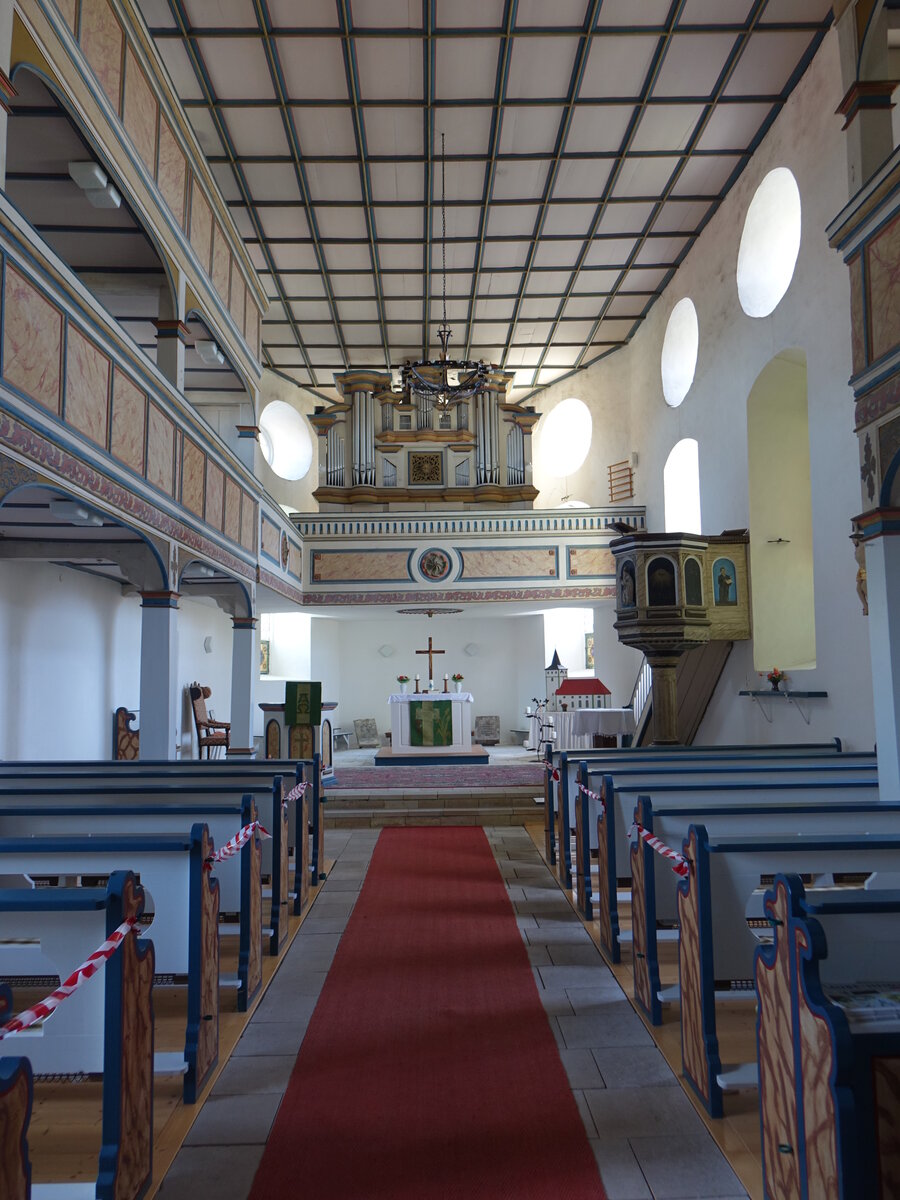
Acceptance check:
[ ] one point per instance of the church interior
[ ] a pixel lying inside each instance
(448, 496)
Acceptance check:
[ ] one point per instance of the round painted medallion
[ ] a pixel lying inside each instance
(434, 565)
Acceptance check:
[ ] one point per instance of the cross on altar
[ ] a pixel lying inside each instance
(430, 652)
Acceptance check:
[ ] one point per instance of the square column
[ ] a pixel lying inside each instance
(244, 670)
(159, 701)
(883, 580)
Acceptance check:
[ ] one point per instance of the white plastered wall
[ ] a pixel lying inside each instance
(624, 393)
(503, 667)
(70, 647)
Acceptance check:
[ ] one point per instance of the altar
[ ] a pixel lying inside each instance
(429, 728)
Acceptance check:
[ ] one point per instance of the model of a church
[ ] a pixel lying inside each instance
(565, 694)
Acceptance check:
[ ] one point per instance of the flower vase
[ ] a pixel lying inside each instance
(775, 683)
(458, 685)
(403, 687)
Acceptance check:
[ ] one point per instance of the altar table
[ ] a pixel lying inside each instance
(461, 723)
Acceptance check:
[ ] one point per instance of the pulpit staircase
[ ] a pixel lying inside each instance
(697, 676)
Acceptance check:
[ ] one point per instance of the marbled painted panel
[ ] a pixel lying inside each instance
(128, 418)
(171, 172)
(192, 476)
(295, 561)
(179, 442)
(248, 522)
(330, 566)
(883, 260)
(857, 315)
(160, 450)
(232, 510)
(238, 289)
(32, 342)
(201, 226)
(515, 563)
(886, 1075)
(87, 387)
(103, 41)
(215, 494)
(140, 111)
(820, 1115)
(67, 12)
(250, 312)
(270, 540)
(221, 263)
(777, 1082)
(16, 1091)
(591, 560)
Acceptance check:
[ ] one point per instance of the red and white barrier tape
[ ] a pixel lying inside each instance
(592, 796)
(296, 792)
(80, 975)
(554, 771)
(679, 863)
(233, 846)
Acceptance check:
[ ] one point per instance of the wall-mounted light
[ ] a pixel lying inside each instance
(94, 182)
(386, 651)
(208, 644)
(209, 353)
(75, 513)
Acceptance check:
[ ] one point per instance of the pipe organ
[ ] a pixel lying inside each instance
(400, 453)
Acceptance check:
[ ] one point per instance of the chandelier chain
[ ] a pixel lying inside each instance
(443, 230)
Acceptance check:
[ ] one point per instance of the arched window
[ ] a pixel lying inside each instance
(660, 582)
(693, 583)
(781, 546)
(681, 487)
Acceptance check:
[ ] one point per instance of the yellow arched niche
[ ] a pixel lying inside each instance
(781, 548)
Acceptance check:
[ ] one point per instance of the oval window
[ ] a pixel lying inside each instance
(679, 353)
(565, 437)
(285, 441)
(770, 243)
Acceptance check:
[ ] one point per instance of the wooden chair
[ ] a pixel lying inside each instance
(209, 733)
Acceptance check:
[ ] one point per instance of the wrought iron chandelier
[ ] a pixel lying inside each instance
(444, 381)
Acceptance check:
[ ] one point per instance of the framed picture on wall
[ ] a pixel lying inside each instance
(264, 657)
(589, 651)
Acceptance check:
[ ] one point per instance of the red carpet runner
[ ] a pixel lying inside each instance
(429, 1070)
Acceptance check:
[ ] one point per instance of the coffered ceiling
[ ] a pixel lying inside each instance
(588, 142)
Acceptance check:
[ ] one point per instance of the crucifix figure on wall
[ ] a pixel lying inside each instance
(430, 652)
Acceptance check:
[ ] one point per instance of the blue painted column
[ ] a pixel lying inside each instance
(159, 698)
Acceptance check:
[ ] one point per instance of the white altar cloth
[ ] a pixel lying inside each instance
(461, 712)
(602, 720)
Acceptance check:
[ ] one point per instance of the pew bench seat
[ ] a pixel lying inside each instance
(846, 1148)
(718, 944)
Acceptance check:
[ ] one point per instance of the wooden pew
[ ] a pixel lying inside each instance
(87, 792)
(700, 784)
(126, 1156)
(560, 818)
(829, 1073)
(173, 868)
(654, 892)
(242, 776)
(610, 820)
(716, 944)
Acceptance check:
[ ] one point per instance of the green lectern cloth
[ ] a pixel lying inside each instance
(303, 704)
(430, 723)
